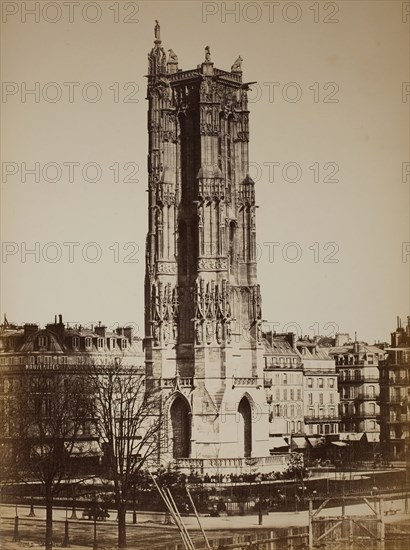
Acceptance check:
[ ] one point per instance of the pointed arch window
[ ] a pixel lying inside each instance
(245, 427)
(181, 428)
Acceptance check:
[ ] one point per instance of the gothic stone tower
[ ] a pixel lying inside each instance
(202, 301)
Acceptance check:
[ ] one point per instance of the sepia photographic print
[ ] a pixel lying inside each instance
(205, 251)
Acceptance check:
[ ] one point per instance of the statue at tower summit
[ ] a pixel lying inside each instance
(237, 66)
(207, 54)
(157, 29)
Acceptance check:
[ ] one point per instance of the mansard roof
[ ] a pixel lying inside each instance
(349, 349)
(53, 345)
(60, 339)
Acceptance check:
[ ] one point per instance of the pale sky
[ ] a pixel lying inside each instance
(362, 140)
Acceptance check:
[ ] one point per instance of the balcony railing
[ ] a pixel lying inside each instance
(396, 400)
(359, 379)
(314, 419)
(352, 380)
(401, 437)
(352, 364)
(399, 381)
(399, 418)
(318, 372)
(254, 381)
(170, 382)
(202, 465)
(361, 416)
(365, 396)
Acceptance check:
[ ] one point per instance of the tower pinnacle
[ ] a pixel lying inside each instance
(157, 32)
(157, 57)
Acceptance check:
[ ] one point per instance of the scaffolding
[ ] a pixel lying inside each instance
(348, 531)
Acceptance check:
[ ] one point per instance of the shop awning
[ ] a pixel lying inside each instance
(316, 441)
(84, 448)
(372, 437)
(340, 444)
(299, 443)
(350, 436)
(277, 442)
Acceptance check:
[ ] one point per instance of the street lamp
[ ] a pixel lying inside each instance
(16, 537)
(66, 540)
(134, 512)
(95, 543)
(249, 461)
(73, 509)
(260, 518)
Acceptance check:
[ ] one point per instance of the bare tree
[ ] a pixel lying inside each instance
(8, 471)
(52, 408)
(128, 423)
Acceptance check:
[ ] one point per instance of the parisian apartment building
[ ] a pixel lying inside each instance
(357, 365)
(33, 351)
(395, 395)
(320, 384)
(283, 380)
(301, 384)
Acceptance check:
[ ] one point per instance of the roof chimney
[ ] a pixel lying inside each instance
(30, 328)
(128, 333)
(394, 339)
(101, 330)
(356, 345)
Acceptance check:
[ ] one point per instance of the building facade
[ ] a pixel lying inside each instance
(203, 312)
(357, 366)
(32, 353)
(321, 396)
(283, 373)
(395, 395)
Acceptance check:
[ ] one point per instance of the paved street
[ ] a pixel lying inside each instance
(150, 532)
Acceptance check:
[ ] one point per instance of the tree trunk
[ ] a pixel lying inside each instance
(49, 520)
(122, 528)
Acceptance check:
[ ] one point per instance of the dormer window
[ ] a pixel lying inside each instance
(124, 343)
(100, 342)
(88, 342)
(42, 341)
(76, 342)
